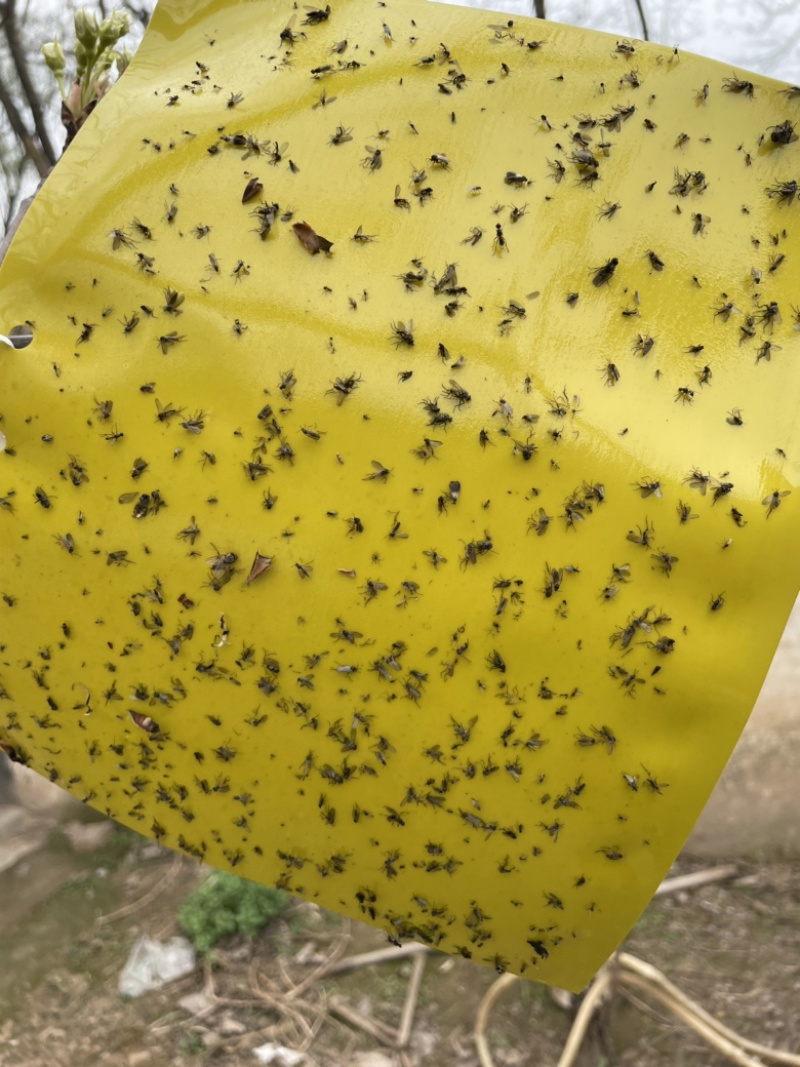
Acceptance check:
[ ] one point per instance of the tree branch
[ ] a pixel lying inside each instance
(21, 66)
(32, 147)
(538, 9)
(139, 12)
(642, 19)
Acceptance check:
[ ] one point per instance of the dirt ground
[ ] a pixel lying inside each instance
(76, 895)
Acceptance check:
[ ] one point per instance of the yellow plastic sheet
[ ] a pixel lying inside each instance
(398, 495)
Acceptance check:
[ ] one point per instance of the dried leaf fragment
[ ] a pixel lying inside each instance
(310, 239)
(260, 565)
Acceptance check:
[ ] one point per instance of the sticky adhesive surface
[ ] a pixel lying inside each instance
(431, 575)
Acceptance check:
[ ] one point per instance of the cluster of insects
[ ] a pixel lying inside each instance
(321, 597)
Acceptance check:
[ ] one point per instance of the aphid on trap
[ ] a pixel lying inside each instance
(190, 533)
(610, 373)
(142, 230)
(86, 332)
(772, 500)
(739, 86)
(413, 279)
(370, 590)
(608, 210)
(166, 341)
(379, 472)
(373, 160)
(120, 238)
(402, 335)
(720, 490)
(765, 351)
(769, 315)
(655, 262)
(724, 310)
(266, 214)
(696, 479)
(118, 558)
(455, 392)
(517, 180)
(684, 512)
(664, 561)
(473, 236)
(362, 238)
(784, 192)
(65, 541)
(341, 135)
(343, 387)
(603, 275)
(642, 535)
(699, 223)
(195, 423)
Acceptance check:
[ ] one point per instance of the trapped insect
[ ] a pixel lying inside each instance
(603, 275)
(402, 334)
(739, 86)
(373, 160)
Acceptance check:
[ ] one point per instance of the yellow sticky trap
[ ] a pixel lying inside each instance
(395, 501)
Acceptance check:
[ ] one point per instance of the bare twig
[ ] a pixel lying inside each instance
(410, 1005)
(642, 19)
(144, 900)
(697, 878)
(326, 967)
(374, 1027)
(279, 1003)
(732, 1050)
(599, 990)
(13, 226)
(484, 1008)
(9, 18)
(381, 955)
(316, 1026)
(644, 976)
(29, 143)
(139, 11)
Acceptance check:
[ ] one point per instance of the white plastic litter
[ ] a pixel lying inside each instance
(152, 964)
(278, 1055)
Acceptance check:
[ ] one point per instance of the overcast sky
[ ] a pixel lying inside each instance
(760, 35)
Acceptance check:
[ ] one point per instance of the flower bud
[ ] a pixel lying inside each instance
(54, 57)
(112, 28)
(81, 58)
(86, 28)
(73, 99)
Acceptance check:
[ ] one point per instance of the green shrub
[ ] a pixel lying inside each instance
(225, 904)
